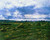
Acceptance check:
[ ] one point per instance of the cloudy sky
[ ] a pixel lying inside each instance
(25, 10)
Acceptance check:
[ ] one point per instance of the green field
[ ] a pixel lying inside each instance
(10, 30)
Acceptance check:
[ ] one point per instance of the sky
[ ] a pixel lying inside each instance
(21, 10)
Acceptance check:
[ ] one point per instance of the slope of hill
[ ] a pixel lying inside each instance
(12, 30)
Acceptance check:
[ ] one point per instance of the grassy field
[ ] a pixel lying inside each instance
(24, 30)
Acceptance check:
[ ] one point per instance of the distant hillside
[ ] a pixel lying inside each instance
(7, 21)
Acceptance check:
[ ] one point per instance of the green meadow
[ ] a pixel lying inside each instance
(14, 30)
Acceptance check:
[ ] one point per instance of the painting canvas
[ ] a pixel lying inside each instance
(24, 19)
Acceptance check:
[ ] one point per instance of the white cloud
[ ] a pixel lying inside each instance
(9, 6)
(42, 3)
(36, 15)
(17, 3)
(17, 14)
(8, 14)
(1, 17)
(21, 3)
(30, 19)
